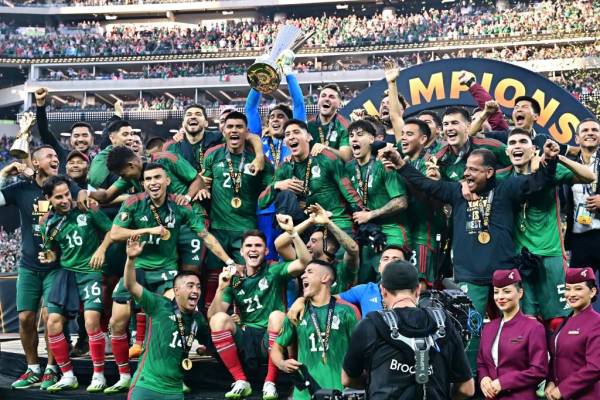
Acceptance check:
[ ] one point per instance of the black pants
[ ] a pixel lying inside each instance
(584, 250)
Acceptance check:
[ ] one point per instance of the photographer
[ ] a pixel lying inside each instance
(383, 349)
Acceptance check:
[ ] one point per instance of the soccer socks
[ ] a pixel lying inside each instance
(140, 328)
(223, 341)
(60, 350)
(120, 348)
(97, 342)
(271, 368)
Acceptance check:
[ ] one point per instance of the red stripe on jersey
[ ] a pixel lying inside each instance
(343, 121)
(145, 357)
(165, 146)
(265, 193)
(352, 192)
(135, 198)
(442, 152)
(164, 154)
(213, 149)
(505, 169)
(329, 154)
(487, 142)
(354, 308)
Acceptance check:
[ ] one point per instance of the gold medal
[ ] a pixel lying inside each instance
(166, 235)
(236, 202)
(186, 364)
(484, 237)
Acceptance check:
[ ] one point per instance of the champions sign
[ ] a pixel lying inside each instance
(435, 85)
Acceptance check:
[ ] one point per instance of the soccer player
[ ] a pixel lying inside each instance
(258, 294)
(453, 157)
(328, 128)
(34, 279)
(323, 244)
(309, 178)
(382, 193)
(233, 194)
(538, 228)
(173, 328)
(155, 215)
(426, 219)
(392, 105)
(71, 238)
(196, 139)
(433, 120)
(120, 133)
(323, 333)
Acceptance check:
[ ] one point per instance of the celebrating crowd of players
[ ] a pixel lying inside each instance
(202, 236)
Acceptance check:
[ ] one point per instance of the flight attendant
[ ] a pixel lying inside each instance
(575, 346)
(513, 355)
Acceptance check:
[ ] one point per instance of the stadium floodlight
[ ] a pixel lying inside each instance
(342, 6)
(110, 17)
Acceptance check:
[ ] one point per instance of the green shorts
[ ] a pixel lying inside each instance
(115, 259)
(89, 291)
(140, 393)
(253, 346)
(190, 247)
(544, 291)
(231, 241)
(155, 280)
(425, 259)
(32, 287)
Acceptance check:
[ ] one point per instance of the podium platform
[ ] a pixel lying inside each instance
(208, 378)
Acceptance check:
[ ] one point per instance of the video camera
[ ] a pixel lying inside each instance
(303, 380)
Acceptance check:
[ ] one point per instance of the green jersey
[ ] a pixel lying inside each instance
(160, 368)
(425, 221)
(98, 175)
(260, 294)
(381, 187)
(136, 213)
(310, 347)
(194, 153)
(180, 172)
(223, 215)
(538, 223)
(345, 277)
(76, 235)
(452, 166)
(328, 185)
(334, 134)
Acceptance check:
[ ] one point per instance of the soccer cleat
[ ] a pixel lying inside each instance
(135, 351)
(97, 385)
(49, 378)
(270, 391)
(186, 388)
(239, 390)
(121, 386)
(27, 380)
(65, 383)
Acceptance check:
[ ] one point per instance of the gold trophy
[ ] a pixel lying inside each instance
(20, 148)
(266, 72)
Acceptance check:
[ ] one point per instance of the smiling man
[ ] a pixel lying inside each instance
(453, 157)
(174, 326)
(483, 229)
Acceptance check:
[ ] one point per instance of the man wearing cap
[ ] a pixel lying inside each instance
(390, 364)
(513, 355)
(575, 346)
(77, 167)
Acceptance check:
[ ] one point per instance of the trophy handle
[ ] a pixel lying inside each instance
(302, 41)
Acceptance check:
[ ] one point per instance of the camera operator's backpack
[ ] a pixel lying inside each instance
(387, 329)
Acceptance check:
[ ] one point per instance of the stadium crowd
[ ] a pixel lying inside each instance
(92, 38)
(10, 251)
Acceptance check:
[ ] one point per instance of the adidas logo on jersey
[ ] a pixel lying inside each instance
(453, 175)
(241, 292)
(144, 219)
(97, 300)
(195, 258)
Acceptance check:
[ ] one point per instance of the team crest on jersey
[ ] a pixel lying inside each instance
(303, 323)
(263, 284)
(170, 221)
(316, 171)
(333, 136)
(124, 216)
(220, 164)
(335, 322)
(82, 220)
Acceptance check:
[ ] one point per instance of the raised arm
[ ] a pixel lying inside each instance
(303, 257)
(299, 110)
(253, 113)
(392, 71)
(582, 173)
(134, 248)
(481, 96)
(284, 244)
(218, 304)
(42, 123)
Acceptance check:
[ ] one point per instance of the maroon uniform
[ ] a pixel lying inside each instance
(522, 356)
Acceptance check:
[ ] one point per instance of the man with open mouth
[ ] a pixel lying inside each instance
(174, 326)
(452, 157)
(328, 127)
(156, 216)
(258, 292)
(538, 228)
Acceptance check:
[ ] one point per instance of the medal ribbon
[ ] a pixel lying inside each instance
(54, 231)
(186, 341)
(307, 175)
(591, 188)
(276, 153)
(313, 317)
(485, 211)
(157, 217)
(363, 186)
(236, 177)
(325, 139)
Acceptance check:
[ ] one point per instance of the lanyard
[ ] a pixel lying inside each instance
(591, 188)
(363, 186)
(485, 211)
(325, 139)
(157, 216)
(307, 176)
(186, 341)
(275, 153)
(324, 339)
(236, 177)
(55, 230)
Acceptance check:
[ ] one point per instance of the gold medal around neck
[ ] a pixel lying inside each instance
(236, 202)
(186, 364)
(484, 237)
(166, 235)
